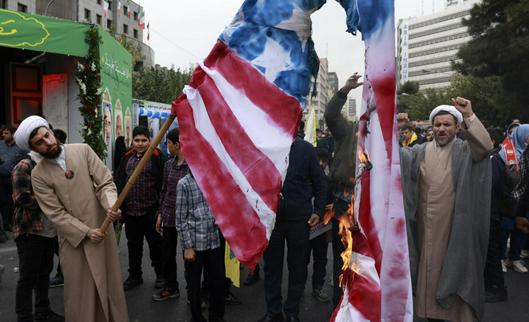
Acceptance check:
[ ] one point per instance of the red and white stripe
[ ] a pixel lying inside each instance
(236, 133)
(380, 287)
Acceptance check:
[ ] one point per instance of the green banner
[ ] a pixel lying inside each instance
(116, 84)
(39, 33)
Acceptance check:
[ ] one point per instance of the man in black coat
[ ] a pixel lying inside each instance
(297, 212)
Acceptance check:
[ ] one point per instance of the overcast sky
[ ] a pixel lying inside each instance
(183, 32)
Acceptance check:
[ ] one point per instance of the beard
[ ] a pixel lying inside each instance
(443, 141)
(53, 153)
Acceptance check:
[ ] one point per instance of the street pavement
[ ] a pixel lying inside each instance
(143, 309)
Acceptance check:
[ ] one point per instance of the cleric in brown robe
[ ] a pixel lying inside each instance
(446, 187)
(74, 189)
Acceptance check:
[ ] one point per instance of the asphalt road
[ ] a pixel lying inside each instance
(142, 308)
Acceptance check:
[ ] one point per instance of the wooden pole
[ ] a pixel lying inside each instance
(139, 168)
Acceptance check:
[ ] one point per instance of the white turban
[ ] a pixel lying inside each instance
(447, 108)
(26, 127)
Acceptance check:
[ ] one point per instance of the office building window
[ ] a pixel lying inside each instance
(99, 2)
(135, 33)
(87, 15)
(4, 4)
(135, 15)
(125, 29)
(125, 10)
(99, 19)
(22, 7)
(109, 24)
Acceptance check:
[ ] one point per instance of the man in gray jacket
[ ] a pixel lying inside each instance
(342, 170)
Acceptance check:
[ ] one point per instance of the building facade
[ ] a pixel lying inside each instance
(318, 99)
(450, 3)
(333, 82)
(27, 6)
(326, 86)
(121, 17)
(350, 112)
(428, 45)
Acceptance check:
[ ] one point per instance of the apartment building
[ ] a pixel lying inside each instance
(428, 45)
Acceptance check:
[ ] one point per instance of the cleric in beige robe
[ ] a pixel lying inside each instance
(446, 187)
(74, 189)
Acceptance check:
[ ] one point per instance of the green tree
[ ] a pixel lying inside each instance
(409, 88)
(419, 105)
(406, 89)
(160, 84)
(499, 51)
(489, 100)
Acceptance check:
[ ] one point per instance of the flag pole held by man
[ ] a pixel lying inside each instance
(75, 191)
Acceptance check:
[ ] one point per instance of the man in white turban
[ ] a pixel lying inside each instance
(75, 191)
(446, 186)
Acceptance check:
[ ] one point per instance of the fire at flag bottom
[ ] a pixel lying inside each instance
(238, 118)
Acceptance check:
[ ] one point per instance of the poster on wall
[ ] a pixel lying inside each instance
(128, 127)
(107, 118)
(154, 115)
(116, 80)
(118, 122)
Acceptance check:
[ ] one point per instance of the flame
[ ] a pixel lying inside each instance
(365, 163)
(362, 156)
(328, 214)
(347, 240)
(346, 222)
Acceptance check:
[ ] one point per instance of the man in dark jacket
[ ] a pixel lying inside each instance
(342, 170)
(304, 181)
(140, 207)
(521, 210)
(502, 186)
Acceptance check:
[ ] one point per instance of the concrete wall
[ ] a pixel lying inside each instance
(64, 9)
(13, 5)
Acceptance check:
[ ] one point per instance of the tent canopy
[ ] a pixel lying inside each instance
(39, 33)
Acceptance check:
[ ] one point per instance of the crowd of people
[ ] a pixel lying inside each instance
(465, 191)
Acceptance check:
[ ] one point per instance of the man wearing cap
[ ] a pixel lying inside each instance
(447, 203)
(75, 191)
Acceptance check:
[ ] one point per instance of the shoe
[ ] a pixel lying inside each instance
(48, 317)
(231, 299)
(496, 294)
(57, 281)
(203, 304)
(252, 278)
(159, 282)
(524, 254)
(165, 295)
(292, 319)
(132, 282)
(519, 267)
(275, 318)
(3, 237)
(320, 295)
(504, 265)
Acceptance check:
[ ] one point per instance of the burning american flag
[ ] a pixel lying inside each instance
(238, 118)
